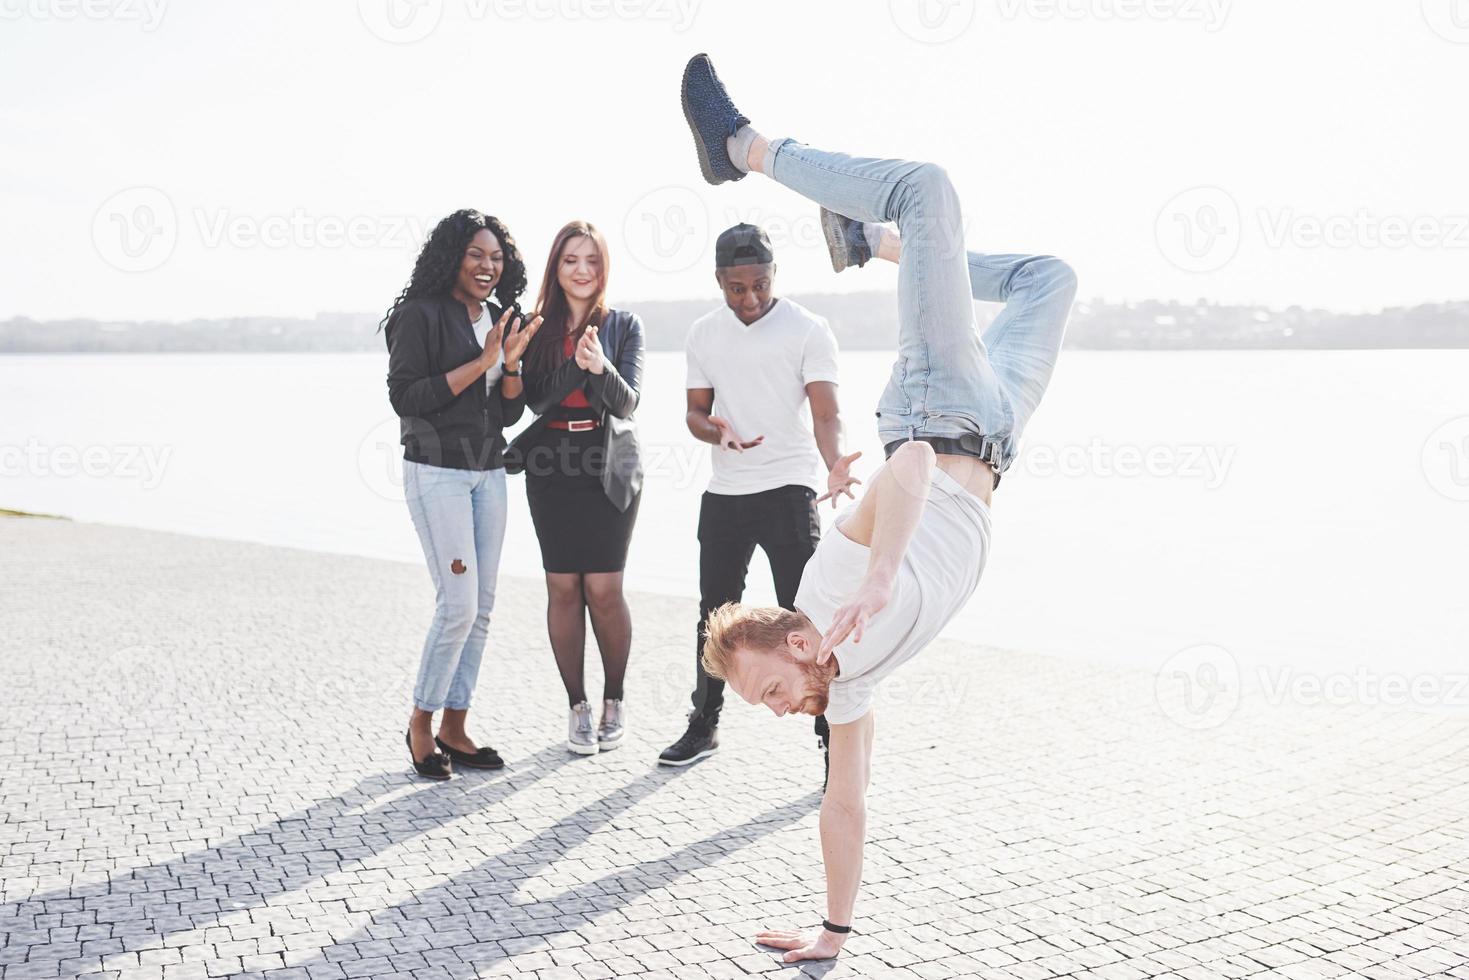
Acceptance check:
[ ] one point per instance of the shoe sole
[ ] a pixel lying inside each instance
(690, 760)
(836, 239)
(582, 749)
(706, 166)
(610, 744)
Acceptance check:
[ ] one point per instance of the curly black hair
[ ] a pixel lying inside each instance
(438, 262)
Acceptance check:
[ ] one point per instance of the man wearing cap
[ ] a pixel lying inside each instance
(762, 391)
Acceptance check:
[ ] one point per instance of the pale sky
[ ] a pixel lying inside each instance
(179, 158)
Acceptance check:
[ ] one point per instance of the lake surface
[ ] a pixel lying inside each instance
(1307, 508)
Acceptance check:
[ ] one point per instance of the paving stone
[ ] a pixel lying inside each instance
(230, 797)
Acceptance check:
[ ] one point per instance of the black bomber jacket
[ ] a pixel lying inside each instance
(427, 338)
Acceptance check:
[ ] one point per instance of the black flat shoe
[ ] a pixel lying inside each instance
(712, 118)
(434, 766)
(483, 758)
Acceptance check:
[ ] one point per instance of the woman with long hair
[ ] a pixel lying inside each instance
(583, 475)
(454, 381)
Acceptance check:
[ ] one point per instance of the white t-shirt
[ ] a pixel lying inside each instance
(759, 375)
(482, 328)
(938, 575)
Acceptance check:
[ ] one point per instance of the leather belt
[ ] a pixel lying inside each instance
(574, 425)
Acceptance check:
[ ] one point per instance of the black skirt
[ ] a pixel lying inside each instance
(579, 529)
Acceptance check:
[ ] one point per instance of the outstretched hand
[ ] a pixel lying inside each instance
(729, 440)
(817, 945)
(852, 619)
(840, 480)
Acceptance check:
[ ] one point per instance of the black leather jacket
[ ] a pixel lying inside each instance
(427, 338)
(613, 394)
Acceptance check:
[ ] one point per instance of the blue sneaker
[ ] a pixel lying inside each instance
(845, 240)
(712, 118)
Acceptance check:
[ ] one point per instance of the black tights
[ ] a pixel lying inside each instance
(569, 597)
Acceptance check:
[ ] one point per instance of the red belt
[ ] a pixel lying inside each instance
(573, 425)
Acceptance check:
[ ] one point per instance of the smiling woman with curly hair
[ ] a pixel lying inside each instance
(454, 381)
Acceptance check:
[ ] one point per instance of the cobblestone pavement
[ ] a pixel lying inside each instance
(204, 775)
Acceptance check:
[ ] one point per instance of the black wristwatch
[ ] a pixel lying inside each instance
(839, 930)
(509, 373)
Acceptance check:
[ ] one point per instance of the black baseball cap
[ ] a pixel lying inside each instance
(744, 244)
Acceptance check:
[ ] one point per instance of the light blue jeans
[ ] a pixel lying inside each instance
(948, 381)
(460, 518)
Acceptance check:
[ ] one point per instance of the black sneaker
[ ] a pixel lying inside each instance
(700, 740)
(845, 240)
(712, 117)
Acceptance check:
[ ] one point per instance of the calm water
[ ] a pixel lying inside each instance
(1291, 507)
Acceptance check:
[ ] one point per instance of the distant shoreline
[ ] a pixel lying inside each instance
(861, 321)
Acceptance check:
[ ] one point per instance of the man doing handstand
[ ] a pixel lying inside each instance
(904, 559)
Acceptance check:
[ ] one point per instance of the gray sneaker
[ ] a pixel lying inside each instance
(580, 738)
(613, 726)
(845, 240)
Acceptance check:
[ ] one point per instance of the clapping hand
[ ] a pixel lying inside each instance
(494, 339)
(589, 355)
(517, 340)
